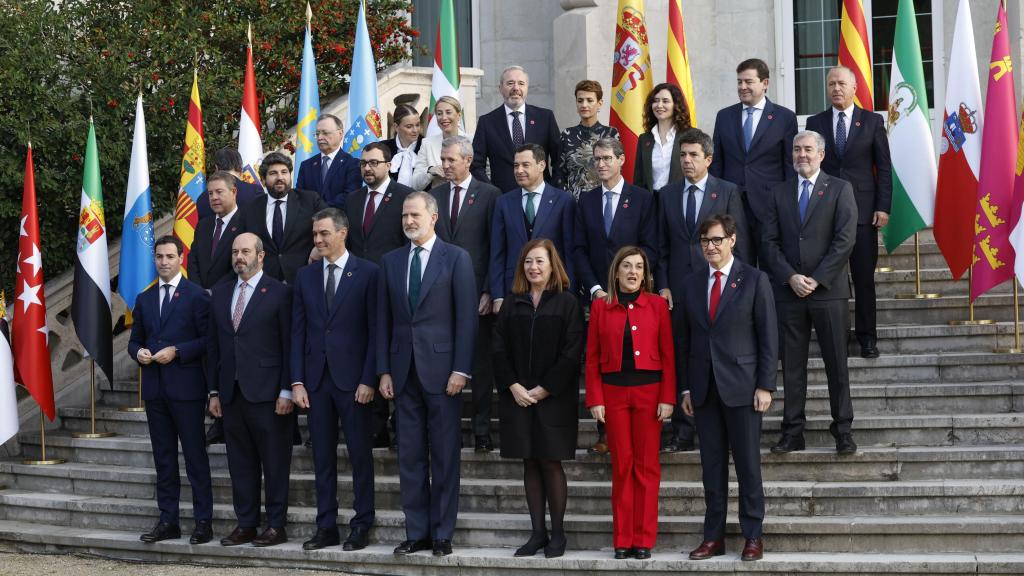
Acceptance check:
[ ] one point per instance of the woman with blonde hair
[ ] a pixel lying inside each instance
(428, 172)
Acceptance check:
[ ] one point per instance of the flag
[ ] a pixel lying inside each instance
(250, 145)
(910, 138)
(193, 175)
(447, 78)
(29, 331)
(136, 270)
(960, 149)
(1016, 221)
(364, 125)
(8, 396)
(309, 104)
(993, 254)
(678, 70)
(631, 78)
(855, 51)
(90, 305)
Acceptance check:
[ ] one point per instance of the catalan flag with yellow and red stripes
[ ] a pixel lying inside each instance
(193, 174)
(855, 51)
(678, 70)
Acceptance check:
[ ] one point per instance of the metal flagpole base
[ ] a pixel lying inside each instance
(917, 296)
(971, 322)
(1008, 350)
(883, 269)
(132, 409)
(48, 462)
(93, 434)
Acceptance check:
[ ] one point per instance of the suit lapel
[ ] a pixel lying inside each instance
(321, 305)
(624, 199)
(732, 285)
(227, 236)
(764, 124)
(170, 305)
(818, 192)
(737, 128)
(674, 206)
(710, 203)
(504, 135)
(468, 202)
(433, 269)
(358, 208)
(544, 209)
(254, 300)
(444, 215)
(344, 280)
(290, 218)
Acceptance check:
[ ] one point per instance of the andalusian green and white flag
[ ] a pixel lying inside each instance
(446, 79)
(910, 138)
(90, 304)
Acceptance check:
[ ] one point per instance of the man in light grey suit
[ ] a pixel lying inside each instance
(466, 206)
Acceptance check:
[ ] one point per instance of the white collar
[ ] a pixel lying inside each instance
(428, 245)
(758, 106)
(381, 187)
(848, 111)
(464, 184)
(726, 270)
(813, 179)
(174, 281)
(521, 110)
(539, 190)
(701, 184)
(252, 282)
(227, 217)
(617, 189)
(341, 262)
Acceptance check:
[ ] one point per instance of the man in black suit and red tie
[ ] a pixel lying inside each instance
(209, 261)
(502, 131)
(729, 336)
(857, 150)
(230, 161)
(333, 174)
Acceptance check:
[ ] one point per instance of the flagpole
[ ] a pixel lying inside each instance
(918, 294)
(1017, 348)
(43, 460)
(971, 320)
(140, 407)
(92, 408)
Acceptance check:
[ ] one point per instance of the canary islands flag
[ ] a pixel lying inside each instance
(136, 270)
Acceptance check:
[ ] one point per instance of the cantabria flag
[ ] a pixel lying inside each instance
(910, 138)
(447, 78)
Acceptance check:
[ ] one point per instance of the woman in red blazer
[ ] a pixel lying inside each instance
(631, 387)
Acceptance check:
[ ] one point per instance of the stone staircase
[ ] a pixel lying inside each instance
(937, 487)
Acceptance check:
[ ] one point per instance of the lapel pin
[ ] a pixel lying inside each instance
(551, 201)
(176, 294)
(387, 197)
(856, 123)
(770, 117)
(714, 195)
(469, 201)
(733, 285)
(233, 228)
(263, 290)
(532, 122)
(348, 274)
(821, 192)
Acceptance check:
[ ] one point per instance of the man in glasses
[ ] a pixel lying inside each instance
(333, 174)
(610, 216)
(683, 208)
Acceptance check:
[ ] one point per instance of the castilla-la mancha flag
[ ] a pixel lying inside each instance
(631, 78)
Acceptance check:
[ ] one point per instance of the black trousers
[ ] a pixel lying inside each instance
(482, 384)
(863, 261)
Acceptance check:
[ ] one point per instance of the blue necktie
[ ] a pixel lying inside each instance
(748, 128)
(166, 304)
(805, 198)
(277, 234)
(325, 167)
(415, 279)
(609, 214)
(841, 133)
(690, 215)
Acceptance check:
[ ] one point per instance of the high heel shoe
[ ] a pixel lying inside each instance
(535, 543)
(556, 546)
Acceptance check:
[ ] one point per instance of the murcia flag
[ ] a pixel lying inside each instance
(631, 78)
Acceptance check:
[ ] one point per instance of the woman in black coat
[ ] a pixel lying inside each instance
(405, 145)
(538, 339)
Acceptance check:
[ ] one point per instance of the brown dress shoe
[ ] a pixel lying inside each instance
(238, 537)
(599, 447)
(707, 549)
(271, 537)
(752, 550)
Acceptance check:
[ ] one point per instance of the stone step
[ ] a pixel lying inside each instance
(883, 534)
(942, 310)
(588, 497)
(939, 280)
(379, 559)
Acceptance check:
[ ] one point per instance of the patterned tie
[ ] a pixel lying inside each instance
(369, 213)
(691, 208)
(236, 314)
(456, 200)
(277, 234)
(216, 235)
(517, 131)
(332, 285)
(166, 304)
(841, 133)
(609, 214)
(805, 198)
(415, 279)
(325, 166)
(716, 295)
(748, 128)
(531, 212)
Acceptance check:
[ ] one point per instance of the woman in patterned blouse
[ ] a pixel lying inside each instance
(576, 171)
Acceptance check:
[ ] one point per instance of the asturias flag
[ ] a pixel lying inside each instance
(136, 269)
(90, 305)
(447, 78)
(250, 144)
(193, 175)
(364, 123)
(631, 78)
(309, 103)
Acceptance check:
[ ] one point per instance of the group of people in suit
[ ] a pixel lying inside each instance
(356, 288)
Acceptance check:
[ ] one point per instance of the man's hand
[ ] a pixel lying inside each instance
(314, 256)
(299, 396)
(521, 396)
(687, 405)
(598, 413)
(667, 295)
(165, 356)
(484, 308)
(880, 219)
(364, 394)
(215, 410)
(284, 406)
(387, 388)
(802, 285)
(539, 393)
(664, 412)
(762, 400)
(599, 294)
(496, 305)
(145, 357)
(456, 382)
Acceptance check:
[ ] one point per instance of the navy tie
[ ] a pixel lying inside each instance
(805, 198)
(332, 286)
(517, 131)
(609, 212)
(277, 234)
(166, 304)
(691, 208)
(325, 167)
(415, 279)
(841, 133)
(748, 128)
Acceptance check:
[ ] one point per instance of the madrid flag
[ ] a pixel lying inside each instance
(631, 78)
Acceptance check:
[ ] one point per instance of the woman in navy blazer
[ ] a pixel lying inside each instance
(631, 387)
(666, 117)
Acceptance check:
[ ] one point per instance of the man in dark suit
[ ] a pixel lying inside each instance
(810, 229)
(426, 331)
(168, 340)
(466, 209)
(282, 219)
(250, 339)
(534, 210)
(857, 150)
(333, 174)
(333, 373)
(683, 208)
(753, 145)
(229, 160)
(612, 215)
(210, 258)
(502, 131)
(729, 337)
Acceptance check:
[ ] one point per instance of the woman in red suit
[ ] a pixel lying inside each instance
(631, 383)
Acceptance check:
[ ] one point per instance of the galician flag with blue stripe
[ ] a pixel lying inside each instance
(309, 104)
(136, 267)
(364, 124)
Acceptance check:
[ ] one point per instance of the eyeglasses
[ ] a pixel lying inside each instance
(319, 133)
(603, 160)
(372, 163)
(717, 241)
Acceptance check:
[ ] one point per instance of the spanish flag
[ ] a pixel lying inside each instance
(193, 174)
(631, 77)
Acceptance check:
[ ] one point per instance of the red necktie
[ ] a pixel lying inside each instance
(455, 205)
(716, 295)
(368, 214)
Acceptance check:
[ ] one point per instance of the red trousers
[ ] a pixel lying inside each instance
(634, 438)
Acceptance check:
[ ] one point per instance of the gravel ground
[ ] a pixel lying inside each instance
(66, 565)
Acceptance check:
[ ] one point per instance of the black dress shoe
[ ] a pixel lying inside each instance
(358, 538)
(788, 444)
(642, 553)
(238, 537)
(162, 531)
(623, 553)
(202, 533)
(442, 547)
(323, 538)
(845, 444)
(270, 537)
(483, 443)
(677, 445)
(868, 351)
(535, 543)
(556, 545)
(215, 433)
(413, 546)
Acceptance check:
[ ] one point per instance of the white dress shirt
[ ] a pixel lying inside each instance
(404, 161)
(725, 270)
(800, 186)
(227, 217)
(250, 290)
(758, 110)
(848, 119)
(381, 188)
(522, 120)
(464, 185)
(698, 196)
(174, 283)
(341, 262)
(536, 199)
(661, 156)
(616, 195)
(270, 212)
(428, 247)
